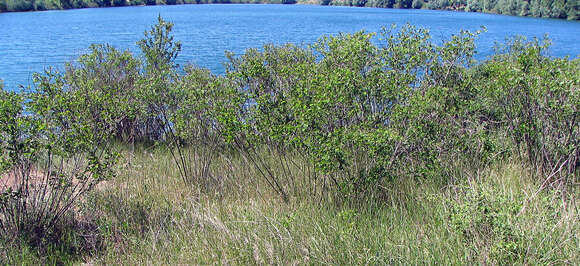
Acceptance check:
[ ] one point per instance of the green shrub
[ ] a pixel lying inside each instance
(535, 99)
(362, 113)
(264, 128)
(488, 222)
(50, 159)
(351, 113)
(195, 134)
(109, 80)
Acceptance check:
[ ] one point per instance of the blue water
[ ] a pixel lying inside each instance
(29, 42)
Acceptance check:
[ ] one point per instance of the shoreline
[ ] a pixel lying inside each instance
(461, 8)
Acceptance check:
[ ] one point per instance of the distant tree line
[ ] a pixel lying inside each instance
(563, 9)
(39, 5)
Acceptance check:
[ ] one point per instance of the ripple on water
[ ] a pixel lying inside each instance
(31, 41)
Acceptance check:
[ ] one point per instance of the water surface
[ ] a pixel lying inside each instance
(31, 41)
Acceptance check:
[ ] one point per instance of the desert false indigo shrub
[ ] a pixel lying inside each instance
(536, 101)
(51, 157)
(194, 134)
(360, 113)
(110, 81)
(269, 135)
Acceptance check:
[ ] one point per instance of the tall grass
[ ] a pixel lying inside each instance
(147, 216)
(340, 153)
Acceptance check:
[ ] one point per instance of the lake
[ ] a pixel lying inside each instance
(29, 42)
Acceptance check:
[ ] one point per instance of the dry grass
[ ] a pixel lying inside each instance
(150, 217)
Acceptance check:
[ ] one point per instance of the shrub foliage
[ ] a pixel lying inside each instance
(350, 113)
